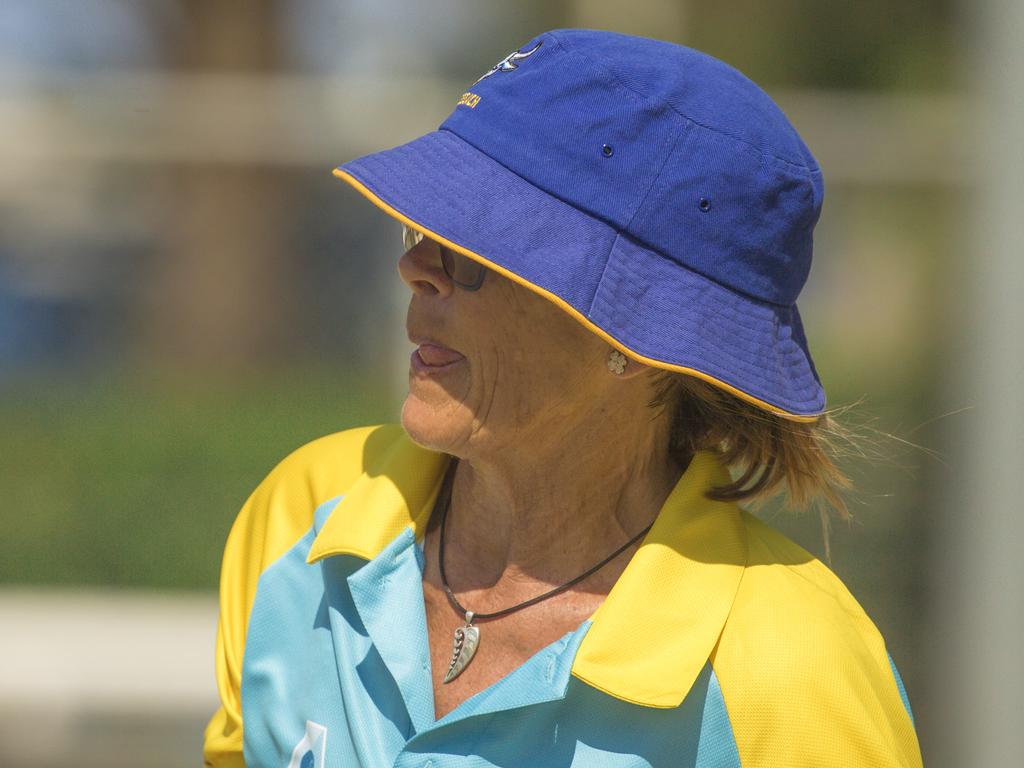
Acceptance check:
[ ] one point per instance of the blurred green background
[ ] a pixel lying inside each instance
(187, 295)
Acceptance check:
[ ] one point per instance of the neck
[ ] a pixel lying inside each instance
(522, 519)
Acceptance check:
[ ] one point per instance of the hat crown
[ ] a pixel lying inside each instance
(667, 144)
(695, 84)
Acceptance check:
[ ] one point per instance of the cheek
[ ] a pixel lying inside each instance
(539, 371)
(533, 355)
(521, 347)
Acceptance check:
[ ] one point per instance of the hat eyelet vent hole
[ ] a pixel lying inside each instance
(705, 204)
(606, 150)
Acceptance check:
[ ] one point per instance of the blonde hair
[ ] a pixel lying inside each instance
(772, 454)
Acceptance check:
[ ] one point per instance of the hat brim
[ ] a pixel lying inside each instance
(650, 307)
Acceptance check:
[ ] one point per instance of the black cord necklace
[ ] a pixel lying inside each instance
(467, 637)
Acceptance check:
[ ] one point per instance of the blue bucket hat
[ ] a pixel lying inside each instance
(653, 192)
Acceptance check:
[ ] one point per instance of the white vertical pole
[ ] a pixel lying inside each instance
(976, 677)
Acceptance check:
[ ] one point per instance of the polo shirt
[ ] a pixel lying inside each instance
(722, 643)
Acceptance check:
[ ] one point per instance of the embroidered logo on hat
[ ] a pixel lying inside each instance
(508, 64)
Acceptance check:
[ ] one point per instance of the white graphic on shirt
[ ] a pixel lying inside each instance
(311, 751)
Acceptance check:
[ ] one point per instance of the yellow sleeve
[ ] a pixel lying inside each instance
(804, 673)
(277, 514)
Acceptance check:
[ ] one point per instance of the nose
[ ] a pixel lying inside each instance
(420, 267)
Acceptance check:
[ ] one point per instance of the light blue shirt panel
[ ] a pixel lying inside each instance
(899, 684)
(343, 644)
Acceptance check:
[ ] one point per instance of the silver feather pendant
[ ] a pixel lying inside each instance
(465, 643)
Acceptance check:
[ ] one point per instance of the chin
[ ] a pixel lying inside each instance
(434, 426)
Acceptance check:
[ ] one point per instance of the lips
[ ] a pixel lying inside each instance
(436, 355)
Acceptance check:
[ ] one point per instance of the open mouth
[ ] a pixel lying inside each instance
(431, 358)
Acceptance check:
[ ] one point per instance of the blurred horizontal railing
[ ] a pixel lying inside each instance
(107, 678)
(50, 119)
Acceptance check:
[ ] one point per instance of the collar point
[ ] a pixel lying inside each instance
(315, 557)
(665, 699)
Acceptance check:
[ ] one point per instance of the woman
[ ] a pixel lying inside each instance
(545, 563)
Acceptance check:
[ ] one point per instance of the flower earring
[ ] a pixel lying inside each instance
(616, 361)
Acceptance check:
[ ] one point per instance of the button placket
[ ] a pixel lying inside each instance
(388, 595)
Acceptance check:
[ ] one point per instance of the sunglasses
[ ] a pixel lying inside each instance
(461, 270)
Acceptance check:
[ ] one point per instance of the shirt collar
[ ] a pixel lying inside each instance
(656, 629)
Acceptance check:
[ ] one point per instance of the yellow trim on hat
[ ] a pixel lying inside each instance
(575, 313)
